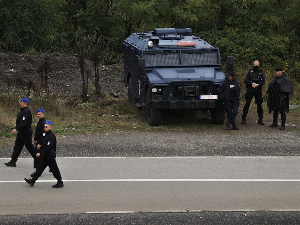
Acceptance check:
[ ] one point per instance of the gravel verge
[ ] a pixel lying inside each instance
(264, 141)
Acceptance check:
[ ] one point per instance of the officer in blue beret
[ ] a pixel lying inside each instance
(24, 132)
(46, 150)
(38, 134)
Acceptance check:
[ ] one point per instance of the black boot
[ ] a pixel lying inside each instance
(59, 184)
(30, 181)
(227, 125)
(234, 126)
(274, 124)
(282, 127)
(243, 120)
(260, 121)
(11, 163)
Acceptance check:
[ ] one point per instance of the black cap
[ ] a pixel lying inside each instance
(231, 74)
(278, 69)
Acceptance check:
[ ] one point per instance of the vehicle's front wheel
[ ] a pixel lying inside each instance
(153, 115)
(129, 92)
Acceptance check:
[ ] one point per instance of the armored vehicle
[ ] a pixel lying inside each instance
(171, 68)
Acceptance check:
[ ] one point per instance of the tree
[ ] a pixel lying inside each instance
(84, 75)
(30, 25)
(96, 61)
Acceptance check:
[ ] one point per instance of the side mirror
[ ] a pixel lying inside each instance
(229, 63)
(141, 65)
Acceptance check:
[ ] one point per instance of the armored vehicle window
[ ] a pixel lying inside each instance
(200, 58)
(164, 58)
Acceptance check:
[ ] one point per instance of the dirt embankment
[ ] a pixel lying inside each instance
(24, 72)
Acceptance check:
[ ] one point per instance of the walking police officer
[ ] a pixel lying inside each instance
(47, 153)
(254, 81)
(24, 136)
(38, 133)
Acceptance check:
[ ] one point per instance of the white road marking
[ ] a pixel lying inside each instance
(95, 157)
(167, 180)
(192, 211)
(173, 157)
(112, 212)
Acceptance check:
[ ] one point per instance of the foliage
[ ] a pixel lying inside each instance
(247, 29)
(31, 25)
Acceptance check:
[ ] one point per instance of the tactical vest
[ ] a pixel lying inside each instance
(256, 77)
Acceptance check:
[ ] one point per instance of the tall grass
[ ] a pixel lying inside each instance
(72, 116)
(98, 115)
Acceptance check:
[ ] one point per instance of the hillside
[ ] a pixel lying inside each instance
(20, 72)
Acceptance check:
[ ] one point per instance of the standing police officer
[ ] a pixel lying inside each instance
(47, 153)
(24, 136)
(278, 97)
(229, 92)
(254, 81)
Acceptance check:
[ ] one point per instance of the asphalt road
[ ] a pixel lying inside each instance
(122, 185)
(197, 191)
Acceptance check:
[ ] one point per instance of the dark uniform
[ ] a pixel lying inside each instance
(47, 158)
(24, 136)
(38, 134)
(257, 76)
(229, 92)
(278, 98)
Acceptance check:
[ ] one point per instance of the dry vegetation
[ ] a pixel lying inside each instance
(102, 114)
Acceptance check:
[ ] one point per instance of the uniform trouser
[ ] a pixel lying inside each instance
(36, 162)
(282, 113)
(258, 99)
(48, 160)
(23, 138)
(231, 107)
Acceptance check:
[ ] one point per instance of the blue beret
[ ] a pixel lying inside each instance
(40, 110)
(24, 100)
(48, 122)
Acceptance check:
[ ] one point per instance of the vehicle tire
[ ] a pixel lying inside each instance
(129, 93)
(217, 115)
(153, 115)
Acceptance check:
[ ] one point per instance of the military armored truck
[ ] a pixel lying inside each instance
(171, 68)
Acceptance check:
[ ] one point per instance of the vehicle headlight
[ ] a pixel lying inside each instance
(150, 44)
(156, 90)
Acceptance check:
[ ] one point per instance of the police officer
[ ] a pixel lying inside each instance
(24, 136)
(278, 97)
(254, 81)
(229, 92)
(38, 133)
(47, 154)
